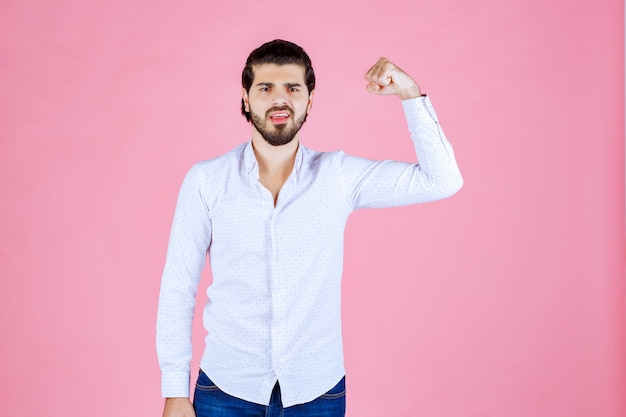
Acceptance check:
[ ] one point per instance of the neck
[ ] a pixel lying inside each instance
(274, 160)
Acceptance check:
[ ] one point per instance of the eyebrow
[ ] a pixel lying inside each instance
(289, 85)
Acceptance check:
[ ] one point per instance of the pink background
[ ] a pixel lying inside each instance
(506, 300)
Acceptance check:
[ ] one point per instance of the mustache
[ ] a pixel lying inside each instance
(278, 108)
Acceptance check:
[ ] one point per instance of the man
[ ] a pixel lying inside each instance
(271, 214)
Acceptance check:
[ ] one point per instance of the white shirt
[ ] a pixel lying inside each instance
(274, 303)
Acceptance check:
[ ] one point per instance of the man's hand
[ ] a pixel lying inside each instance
(385, 78)
(178, 407)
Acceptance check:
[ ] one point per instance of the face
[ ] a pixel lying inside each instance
(278, 102)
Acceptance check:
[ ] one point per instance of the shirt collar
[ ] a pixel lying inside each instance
(251, 165)
(249, 159)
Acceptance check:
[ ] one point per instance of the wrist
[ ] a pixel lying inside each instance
(410, 93)
(176, 399)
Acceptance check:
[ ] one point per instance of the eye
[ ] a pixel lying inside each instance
(264, 88)
(293, 89)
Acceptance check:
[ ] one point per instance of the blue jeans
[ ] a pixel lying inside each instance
(210, 401)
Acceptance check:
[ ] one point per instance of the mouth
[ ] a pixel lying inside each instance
(279, 117)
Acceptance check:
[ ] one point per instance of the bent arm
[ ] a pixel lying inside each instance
(435, 176)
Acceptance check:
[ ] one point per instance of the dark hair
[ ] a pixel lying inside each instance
(278, 52)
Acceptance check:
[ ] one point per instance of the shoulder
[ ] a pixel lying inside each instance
(215, 168)
(316, 158)
(232, 157)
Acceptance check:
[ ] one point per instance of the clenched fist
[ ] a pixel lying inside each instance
(385, 78)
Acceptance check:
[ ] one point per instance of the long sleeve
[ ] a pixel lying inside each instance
(391, 183)
(186, 255)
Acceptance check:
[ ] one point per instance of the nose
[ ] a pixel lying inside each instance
(279, 98)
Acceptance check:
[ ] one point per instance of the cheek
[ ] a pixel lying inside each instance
(255, 102)
(255, 107)
(303, 106)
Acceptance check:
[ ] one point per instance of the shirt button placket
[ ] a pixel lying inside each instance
(274, 288)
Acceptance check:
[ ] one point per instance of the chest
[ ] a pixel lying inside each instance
(278, 216)
(273, 184)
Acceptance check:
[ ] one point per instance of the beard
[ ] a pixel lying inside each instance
(280, 134)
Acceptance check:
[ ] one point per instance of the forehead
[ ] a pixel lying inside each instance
(278, 73)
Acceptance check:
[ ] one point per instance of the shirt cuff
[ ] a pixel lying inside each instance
(175, 384)
(419, 109)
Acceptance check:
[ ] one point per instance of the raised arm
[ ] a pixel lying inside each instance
(434, 176)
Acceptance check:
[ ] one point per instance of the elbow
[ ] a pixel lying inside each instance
(458, 184)
(451, 186)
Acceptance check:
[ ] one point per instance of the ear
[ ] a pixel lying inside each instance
(310, 104)
(244, 96)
